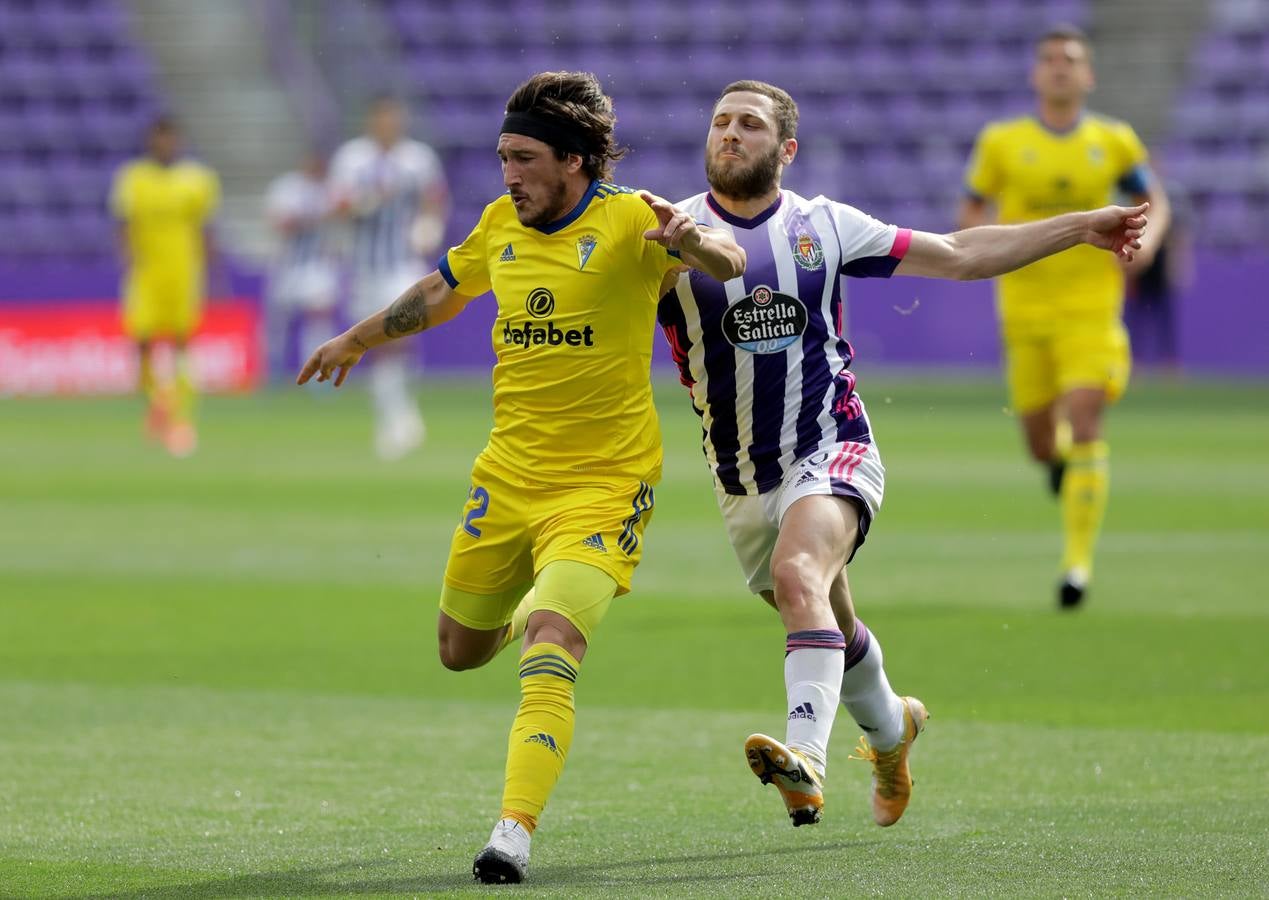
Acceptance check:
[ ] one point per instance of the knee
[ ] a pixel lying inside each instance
(549, 627)
(458, 655)
(1084, 430)
(453, 658)
(795, 583)
(1040, 447)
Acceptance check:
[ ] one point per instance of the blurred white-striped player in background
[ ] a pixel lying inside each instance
(392, 191)
(304, 277)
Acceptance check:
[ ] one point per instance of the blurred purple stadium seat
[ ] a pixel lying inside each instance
(74, 96)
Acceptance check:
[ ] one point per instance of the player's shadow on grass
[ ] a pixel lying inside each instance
(327, 880)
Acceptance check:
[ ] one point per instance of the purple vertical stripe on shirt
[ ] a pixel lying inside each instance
(770, 370)
(720, 371)
(817, 374)
(770, 376)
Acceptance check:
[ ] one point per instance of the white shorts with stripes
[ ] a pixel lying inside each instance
(850, 470)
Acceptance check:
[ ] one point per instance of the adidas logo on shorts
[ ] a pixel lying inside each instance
(595, 542)
(806, 477)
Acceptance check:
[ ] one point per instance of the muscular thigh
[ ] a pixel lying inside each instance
(850, 472)
(601, 525)
(511, 529)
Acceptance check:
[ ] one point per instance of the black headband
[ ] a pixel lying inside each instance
(559, 134)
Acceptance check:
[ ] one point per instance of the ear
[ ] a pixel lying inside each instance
(788, 150)
(573, 163)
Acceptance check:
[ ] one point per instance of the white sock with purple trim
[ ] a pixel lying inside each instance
(813, 665)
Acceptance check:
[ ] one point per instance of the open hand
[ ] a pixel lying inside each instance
(339, 353)
(1118, 229)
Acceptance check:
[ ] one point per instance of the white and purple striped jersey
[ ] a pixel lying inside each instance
(763, 354)
(384, 189)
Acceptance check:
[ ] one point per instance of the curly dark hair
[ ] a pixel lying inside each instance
(577, 99)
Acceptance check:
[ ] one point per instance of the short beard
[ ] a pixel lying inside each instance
(552, 210)
(757, 179)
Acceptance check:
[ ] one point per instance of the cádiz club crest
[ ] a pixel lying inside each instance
(766, 321)
(808, 253)
(585, 247)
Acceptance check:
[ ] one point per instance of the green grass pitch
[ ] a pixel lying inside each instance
(218, 676)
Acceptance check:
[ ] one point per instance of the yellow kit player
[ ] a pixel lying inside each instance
(163, 204)
(1066, 350)
(561, 494)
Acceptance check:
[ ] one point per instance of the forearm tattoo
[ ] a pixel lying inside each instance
(407, 314)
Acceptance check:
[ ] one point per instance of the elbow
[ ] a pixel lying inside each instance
(972, 263)
(963, 262)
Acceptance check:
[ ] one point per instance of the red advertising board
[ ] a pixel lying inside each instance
(78, 347)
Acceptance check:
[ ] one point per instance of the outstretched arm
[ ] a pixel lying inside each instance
(991, 250)
(707, 249)
(425, 304)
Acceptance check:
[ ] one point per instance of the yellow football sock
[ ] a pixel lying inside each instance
(542, 732)
(1084, 490)
(145, 371)
(183, 393)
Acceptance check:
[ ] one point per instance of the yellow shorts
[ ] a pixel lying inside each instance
(512, 527)
(161, 307)
(1041, 368)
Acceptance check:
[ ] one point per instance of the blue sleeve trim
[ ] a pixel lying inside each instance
(972, 194)
(1135, 181)
(675, 253)
(871, 267)
(442, 266)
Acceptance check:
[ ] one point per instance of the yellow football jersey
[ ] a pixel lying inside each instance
(164, 209)
(1031, 172)
(576, 310)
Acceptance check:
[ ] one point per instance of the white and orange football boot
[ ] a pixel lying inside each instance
(891, 778)
(800, 785)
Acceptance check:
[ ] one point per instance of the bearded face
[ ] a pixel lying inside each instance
(536, 179)
(542, 204)
(732, 171)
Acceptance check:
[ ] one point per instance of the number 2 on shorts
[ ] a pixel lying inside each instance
(481, 496)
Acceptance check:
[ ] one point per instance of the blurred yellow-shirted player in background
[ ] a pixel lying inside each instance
(163, 204)
(1066, 350)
